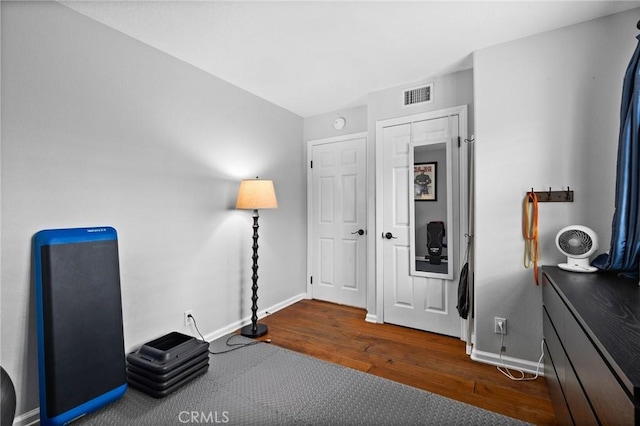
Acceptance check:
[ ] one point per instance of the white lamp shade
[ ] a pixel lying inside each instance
(256, 194)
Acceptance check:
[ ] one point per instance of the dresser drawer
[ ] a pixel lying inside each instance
(554, 347)
(555, 357)
(577, 401)
(554, 306)
(609, 400)
(573, 393)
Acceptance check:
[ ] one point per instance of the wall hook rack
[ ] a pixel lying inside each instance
(563, 196)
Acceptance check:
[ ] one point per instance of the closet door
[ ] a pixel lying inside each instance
(425, 303)
(337, 221)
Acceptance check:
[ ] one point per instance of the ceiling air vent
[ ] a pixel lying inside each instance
(418, 95)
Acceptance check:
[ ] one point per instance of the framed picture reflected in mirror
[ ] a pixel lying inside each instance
(424, 181)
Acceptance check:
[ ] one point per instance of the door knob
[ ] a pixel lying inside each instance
(359, 232)
(388, 236)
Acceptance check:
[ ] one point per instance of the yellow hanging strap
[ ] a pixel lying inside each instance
(530, 233)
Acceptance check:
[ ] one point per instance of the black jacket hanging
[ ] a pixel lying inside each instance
(463, 292)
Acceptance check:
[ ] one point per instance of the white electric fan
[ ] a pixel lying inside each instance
(577, 243)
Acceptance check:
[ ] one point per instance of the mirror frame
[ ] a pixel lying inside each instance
(451, 234)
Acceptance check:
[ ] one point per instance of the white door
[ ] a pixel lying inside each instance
(418, 302)
(337, 221)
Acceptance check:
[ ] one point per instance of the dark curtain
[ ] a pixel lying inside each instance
(625, 235)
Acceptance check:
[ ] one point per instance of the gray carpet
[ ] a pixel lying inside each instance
(266, 385)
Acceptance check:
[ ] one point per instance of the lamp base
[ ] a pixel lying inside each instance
(247, 330)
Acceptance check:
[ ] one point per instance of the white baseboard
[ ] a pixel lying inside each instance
(371, 318)
(29, 418)
(509, 362)
(247, 320)
(33, 417)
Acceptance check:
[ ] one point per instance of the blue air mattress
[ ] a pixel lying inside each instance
(81, 356)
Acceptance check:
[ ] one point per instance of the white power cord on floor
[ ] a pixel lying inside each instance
(507, 372)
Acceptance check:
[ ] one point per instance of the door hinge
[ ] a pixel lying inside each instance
(311, 280)
(312, 164)
(458, 141)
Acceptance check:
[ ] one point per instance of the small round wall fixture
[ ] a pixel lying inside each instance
(339, 123)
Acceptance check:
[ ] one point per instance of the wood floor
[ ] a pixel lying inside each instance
(432, 362)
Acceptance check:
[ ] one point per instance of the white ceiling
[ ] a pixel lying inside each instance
(318, 57)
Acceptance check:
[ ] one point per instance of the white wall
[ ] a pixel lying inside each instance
(449, 90)
(547, 115)
(100, 129)
(321, 126)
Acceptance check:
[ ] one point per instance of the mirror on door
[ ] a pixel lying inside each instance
(430, 209)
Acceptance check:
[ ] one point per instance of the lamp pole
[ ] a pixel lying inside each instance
(255, 329)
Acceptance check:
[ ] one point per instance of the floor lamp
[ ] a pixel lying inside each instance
(255, 194)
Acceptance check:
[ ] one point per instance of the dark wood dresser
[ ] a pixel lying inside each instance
(591, 325)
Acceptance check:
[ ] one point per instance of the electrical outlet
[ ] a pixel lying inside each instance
(187, 319)
(499, 320)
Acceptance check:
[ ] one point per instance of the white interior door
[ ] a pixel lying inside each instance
(424, 303)
(337, 214)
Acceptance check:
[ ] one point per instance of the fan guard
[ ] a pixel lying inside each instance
(577, 243)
